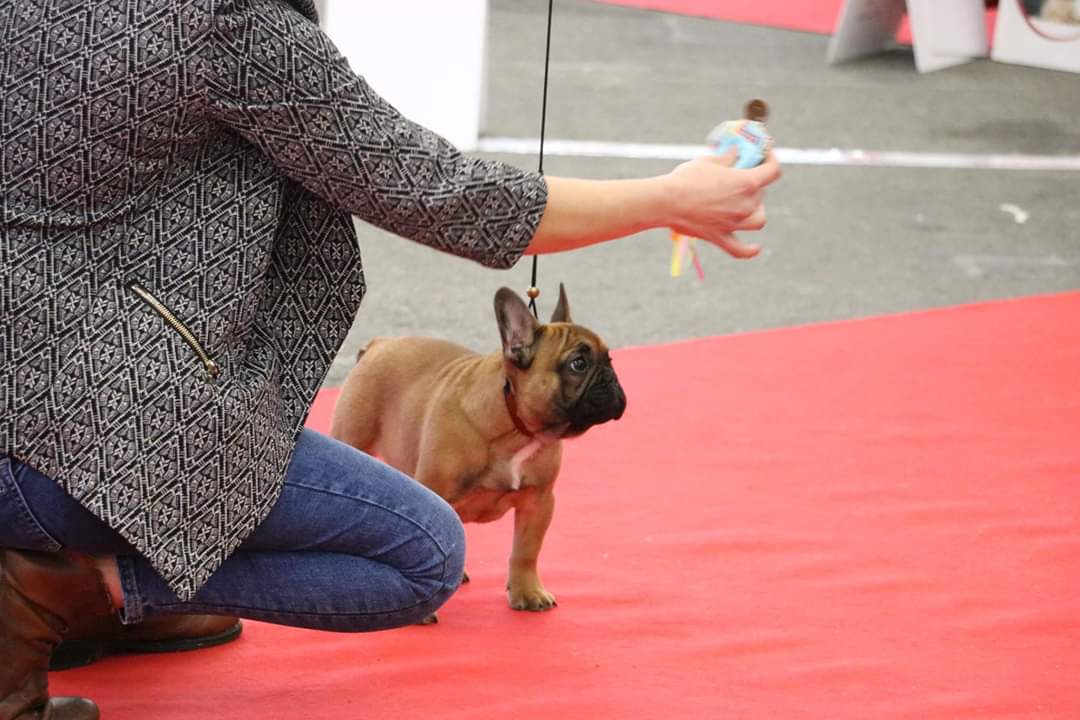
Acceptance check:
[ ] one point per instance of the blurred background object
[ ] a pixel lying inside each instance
(1041, 33)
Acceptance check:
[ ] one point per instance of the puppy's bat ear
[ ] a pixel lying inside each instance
(517, 327)
(562, 308)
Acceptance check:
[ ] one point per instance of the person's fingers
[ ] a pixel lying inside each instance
(744, 207)
(734, 247)
(767, 172)
(754, 221)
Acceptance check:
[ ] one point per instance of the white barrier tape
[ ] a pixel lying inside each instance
(788, 156)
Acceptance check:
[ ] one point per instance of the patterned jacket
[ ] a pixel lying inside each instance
(178, 263)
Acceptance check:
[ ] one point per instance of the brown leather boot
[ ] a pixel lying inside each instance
(97, 637)
(41, 596)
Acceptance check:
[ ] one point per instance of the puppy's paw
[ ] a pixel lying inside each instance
(432, 619)
(464, 577)
(534, 598)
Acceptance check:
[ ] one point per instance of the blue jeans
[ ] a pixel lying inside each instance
(351, 545)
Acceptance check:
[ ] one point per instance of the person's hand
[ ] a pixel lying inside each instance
(712, 200)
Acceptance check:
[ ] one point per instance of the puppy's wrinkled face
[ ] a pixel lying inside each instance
(561, 373)
(589, 392)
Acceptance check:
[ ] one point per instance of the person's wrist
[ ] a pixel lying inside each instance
(665, 201)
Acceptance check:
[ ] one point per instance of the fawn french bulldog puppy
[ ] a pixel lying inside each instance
(485, 431)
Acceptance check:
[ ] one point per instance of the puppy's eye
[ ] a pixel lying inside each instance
(579, 364)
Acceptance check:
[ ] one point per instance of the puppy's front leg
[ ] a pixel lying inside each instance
(531, 520)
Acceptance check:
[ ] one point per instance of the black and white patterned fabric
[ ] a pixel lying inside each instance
(207, 154)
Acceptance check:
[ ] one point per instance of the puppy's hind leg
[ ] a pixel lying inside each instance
(356, 414)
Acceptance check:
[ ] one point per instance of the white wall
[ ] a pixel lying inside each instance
(427, 57)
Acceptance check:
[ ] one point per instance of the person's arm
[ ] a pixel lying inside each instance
(291, 94)
(277, 80)
(703, 198)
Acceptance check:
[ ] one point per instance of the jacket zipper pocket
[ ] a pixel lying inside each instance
(212, 368)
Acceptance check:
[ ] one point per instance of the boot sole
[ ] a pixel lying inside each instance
(73, 655)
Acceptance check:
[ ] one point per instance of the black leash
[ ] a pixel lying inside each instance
(534, 291)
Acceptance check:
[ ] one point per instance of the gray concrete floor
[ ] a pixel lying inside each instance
(842, 242)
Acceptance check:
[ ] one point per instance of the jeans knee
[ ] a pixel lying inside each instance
(440, 579)
(449, 534)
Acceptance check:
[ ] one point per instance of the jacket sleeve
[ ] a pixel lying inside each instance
(275, 78)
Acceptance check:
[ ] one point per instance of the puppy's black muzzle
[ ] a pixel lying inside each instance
(602, 400)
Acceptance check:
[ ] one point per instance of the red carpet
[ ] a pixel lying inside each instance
(870, 519)
(816, 16)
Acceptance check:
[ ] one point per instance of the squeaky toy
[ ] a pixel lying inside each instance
(752, 141)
